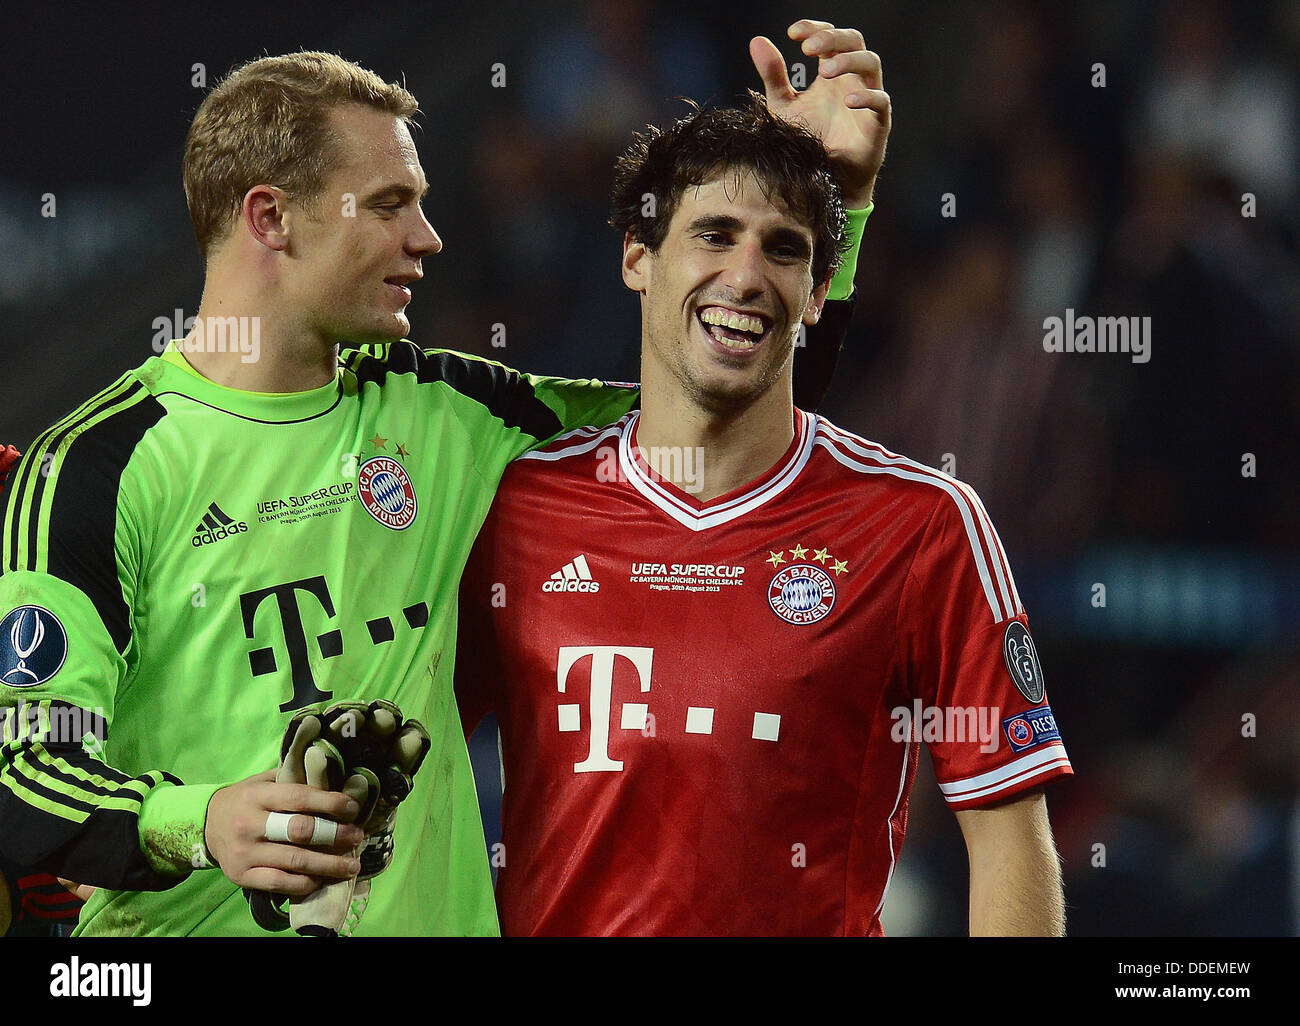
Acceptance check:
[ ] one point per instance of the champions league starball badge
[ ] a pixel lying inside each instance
(33, 647)
(801, 594)
(1022, 662)
(386, 492)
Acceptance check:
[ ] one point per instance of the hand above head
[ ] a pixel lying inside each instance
(846, 105)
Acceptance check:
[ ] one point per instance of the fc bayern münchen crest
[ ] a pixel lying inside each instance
(387, 493)
(801, 594)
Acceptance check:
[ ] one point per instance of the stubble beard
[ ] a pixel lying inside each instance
(722, 401)
(388, 326)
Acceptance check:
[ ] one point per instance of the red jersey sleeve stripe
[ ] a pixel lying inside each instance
(1010, 777)
(586, 445)
(984, 541)
(996, 552)
(963, 507)
(969, 504)
(1004, 562)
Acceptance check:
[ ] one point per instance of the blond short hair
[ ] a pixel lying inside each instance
(268, 121)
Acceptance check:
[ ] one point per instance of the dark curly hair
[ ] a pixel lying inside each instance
(787, 159)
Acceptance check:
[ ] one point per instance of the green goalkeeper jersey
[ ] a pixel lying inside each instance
(184, 565)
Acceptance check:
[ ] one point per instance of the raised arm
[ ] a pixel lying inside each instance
(846, 105)
(847, 108)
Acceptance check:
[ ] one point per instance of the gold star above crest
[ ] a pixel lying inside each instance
(776, 558)
(840, 566)
(379, 443)
(798, 552)
(401, 452)
(821, 556)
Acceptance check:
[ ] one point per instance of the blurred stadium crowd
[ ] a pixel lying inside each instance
(1113, 158)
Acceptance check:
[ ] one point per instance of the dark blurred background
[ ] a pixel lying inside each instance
(1169, 191)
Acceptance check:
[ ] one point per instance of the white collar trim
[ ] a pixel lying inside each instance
(714, 515)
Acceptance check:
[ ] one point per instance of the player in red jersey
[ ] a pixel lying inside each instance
(717, 633)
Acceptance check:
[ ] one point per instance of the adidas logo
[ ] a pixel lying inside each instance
(574, 576)
(215, 526)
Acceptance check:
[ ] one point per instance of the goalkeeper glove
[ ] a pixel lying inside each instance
(370, 753)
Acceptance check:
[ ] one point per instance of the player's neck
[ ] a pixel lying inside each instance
(727, 449)
(235, 343)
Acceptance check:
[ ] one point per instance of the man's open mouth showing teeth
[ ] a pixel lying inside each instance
(734, 330)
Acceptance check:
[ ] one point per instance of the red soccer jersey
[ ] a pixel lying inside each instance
(711, 712)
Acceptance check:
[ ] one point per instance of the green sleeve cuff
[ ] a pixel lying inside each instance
(842, 282)
(172, 818)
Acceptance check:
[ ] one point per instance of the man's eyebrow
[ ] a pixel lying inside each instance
(715, 222)
(398, 190)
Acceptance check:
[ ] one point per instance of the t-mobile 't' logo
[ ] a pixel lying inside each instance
(633, 715)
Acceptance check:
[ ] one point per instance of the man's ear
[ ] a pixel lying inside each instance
(266, 217)
(813, 311)
(636, 264)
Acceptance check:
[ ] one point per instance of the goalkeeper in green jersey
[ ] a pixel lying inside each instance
(272, 514)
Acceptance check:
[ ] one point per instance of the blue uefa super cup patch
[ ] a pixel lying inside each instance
(1024, 730)
(33, 646)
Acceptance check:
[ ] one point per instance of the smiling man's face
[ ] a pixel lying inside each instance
(351, 266)
(725, 294)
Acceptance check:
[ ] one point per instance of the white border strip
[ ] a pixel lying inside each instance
(981, 565)
(889, 829)
(1006, 776)
(572, 450)
(712, 516)
(967, 502)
